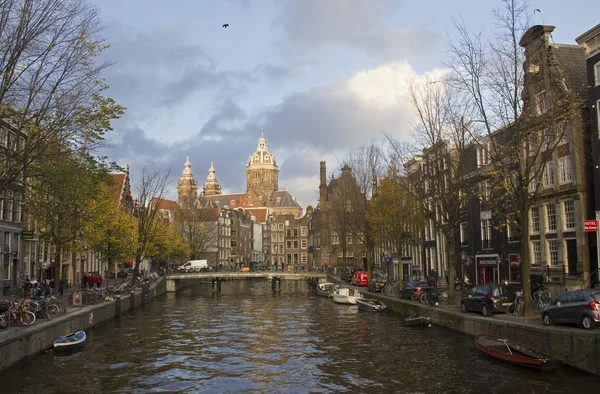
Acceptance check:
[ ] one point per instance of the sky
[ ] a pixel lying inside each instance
(320, 77)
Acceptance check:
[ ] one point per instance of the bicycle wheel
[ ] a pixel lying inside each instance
(538, 306)
(27, 318)
(424, 297)
(52, 310)
(3, 320)
(511, 308)
(520, 309)
(415, 297)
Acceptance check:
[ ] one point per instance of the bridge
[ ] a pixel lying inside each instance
(176, 281)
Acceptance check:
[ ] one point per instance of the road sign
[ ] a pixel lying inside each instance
(590, 226)
(27, 234)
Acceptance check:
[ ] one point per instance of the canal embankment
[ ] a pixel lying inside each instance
(21, 343)
(565, 343)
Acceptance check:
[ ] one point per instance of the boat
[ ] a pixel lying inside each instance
(514, 352)
(417, 321)
(370, 305)
(71, 341)
(326, 289)
(346, 295)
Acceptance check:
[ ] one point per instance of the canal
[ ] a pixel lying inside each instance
(250, 340)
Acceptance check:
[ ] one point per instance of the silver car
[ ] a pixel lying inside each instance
(574, 307)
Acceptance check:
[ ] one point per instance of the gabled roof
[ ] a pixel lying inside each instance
(260, 214)
(571, 59)
(227, 200)
(168, 205)
(210, 214)
(283, 199)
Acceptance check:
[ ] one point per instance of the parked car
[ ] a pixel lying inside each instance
(377, 285)
(348, 272)
(360, 278)
(411, 287)
(574, 307)
(488, 299)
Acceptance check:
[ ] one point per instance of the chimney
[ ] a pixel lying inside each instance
(323, 174)
(536, 32)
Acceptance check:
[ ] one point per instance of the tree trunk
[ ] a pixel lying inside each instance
(525, 260)
(451, 256)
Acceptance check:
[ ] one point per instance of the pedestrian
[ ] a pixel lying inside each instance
(98, 280)
(26, 286)
(90, 280)
(83, 281)
(61, 286)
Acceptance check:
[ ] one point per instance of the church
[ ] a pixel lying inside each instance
(262, 187)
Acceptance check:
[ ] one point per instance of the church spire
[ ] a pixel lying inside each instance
(212, 187)
(187, 188)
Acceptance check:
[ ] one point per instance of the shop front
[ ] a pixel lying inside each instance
(487, 268)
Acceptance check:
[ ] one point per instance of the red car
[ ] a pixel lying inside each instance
(360, 278)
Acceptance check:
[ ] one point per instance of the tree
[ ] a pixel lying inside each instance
(394, 217)
(195, 229)
(521, 128)
(151, 191)
(50, 84)
(63, 204)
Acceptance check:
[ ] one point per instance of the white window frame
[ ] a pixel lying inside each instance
(565, 171)
(535, 219)
(335, 238)
(536, 253)
(486, 232)
(553, 252)
(548, 177)
(303, 243)
(279, 226)
(3, 136)
(569, 214)
(9, 206)
(597, 74)
(550, 217)
(279, 237)
(303, 258)
(303, 231)
(464, 234)
(18, 208)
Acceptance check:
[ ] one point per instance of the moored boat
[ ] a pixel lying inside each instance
(70, 341)
(326, 289)
(370, 305)
(514, 352)
(417, 321)
(346, 295)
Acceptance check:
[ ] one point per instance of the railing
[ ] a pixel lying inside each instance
(593, 274)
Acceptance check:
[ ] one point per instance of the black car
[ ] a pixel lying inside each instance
(574, 307)
(412, 287)
(377, 285)
(488, 299)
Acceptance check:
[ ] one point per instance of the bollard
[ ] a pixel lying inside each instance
(276, 284)
(219, 285)
(131, 300)
(214, 285)
(118, 305)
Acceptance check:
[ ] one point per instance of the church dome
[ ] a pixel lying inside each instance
(262, 158)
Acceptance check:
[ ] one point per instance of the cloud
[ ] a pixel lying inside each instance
(358, 24)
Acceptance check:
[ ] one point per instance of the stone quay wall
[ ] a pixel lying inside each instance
(19, 344)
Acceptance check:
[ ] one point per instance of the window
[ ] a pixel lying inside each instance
(533, 182)
(287, 222)
(280, 226)
(597, 73)
(273, 237)
(511, 224)
(289, 258)
(280, 248)
(484, 190)
(553, 252)
(335, 238)
(295, 244)
(234, 233)
(296, 232)
(233, 243)
(8, 206)
(18, 207)
(359, 238)
(303, 231)
(280, 237)
(541, 102)
(536, 253)
(598, 116)
(288, 244)
(3, 137)
(535, 219)
(303, 243)
(483, 155)
(464, 234)
(564, 169)
(274, 227)
(548, 174)
(348, 239)
(288, 233)
(296, 259)
(569, 207)
(551, 217)
(486, 233)
(2, 206)
(304, 260)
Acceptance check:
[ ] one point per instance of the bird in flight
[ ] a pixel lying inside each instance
(536, 10)
(225, 26)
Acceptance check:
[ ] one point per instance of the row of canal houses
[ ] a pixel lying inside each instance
(562, 246)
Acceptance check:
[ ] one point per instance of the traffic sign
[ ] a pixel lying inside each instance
(590, 226)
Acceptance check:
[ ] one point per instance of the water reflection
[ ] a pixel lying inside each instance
(250, 340)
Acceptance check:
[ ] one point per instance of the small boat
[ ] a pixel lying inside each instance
(370, 305)
(326, 289)
(514, 352)
(70, 341)
(346, 295)
(417, 321)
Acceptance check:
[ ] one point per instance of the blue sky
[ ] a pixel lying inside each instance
(320, 77)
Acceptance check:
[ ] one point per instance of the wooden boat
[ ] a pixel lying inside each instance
(417, 321)
(326, 289)
(370, 305)
(346, 295)
(71, 341)
(514, 352)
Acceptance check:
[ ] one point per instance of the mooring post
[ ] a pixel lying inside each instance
(214, 285)
(276, 283)
(118, 305)
(219, 285)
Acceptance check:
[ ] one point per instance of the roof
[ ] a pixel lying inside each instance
(260, 214)
(283, 199)
(210, 214)
(168, 205)
(117, 186)
(229, 200)
(571, 59)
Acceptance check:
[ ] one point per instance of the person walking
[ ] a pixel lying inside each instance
(90, 280)
(61, 286)
(98, 280)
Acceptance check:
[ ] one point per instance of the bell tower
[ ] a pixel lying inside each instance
(187, 188)
(262, 175)
(212, 187)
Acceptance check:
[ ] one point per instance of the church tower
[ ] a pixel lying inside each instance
(187, 188)
(262, 175)
(212, 187)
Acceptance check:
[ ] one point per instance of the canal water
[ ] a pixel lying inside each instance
(251, 340)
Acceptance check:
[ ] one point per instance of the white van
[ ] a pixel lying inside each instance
(193, 266)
